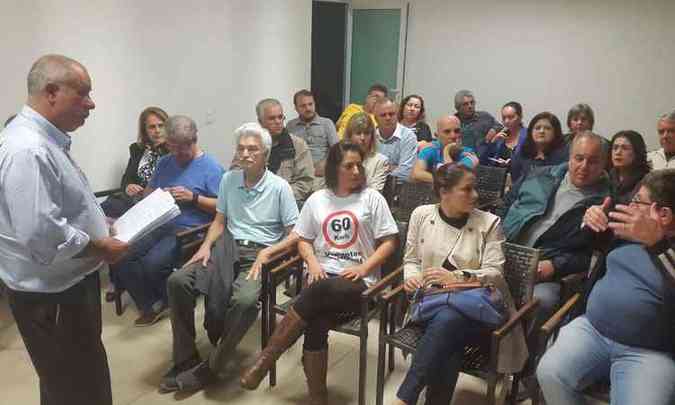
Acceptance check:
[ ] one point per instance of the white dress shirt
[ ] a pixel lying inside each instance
(48, 213)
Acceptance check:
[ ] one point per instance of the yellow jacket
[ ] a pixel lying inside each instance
(346, 115)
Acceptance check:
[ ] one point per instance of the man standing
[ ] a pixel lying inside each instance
(318, 132)
(375, 92)
(476, 125)
(290, 158)
(446, 148)
(664, 158)
(54, 237)
(396, 142)
(257, 207)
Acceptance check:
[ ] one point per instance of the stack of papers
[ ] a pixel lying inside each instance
(150, 213)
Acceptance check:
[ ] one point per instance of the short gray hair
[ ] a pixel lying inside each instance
(592, 136)
(263, 105)
(52, 69)
(385, 100)
(181, 129)
(254, 130)
(459, 97)
(668, 116)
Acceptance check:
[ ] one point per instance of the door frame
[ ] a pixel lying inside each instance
(402, 5)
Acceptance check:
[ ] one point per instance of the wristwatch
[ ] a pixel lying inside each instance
(195, 198)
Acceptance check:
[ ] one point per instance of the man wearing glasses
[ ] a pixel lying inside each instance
(664, 158)
(627, 334)
(290, 158)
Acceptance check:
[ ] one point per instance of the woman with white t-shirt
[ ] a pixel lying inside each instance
(345, 232)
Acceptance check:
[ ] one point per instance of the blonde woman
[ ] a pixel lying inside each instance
(361, 131)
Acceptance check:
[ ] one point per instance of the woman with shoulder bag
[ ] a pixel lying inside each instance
(449, 243)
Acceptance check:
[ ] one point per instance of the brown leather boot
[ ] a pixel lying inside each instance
(285, 334)
(316, 366)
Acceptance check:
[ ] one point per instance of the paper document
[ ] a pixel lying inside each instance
(150, 213)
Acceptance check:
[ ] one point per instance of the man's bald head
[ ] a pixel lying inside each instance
(449, 130)
(53, 69)
(59, 89)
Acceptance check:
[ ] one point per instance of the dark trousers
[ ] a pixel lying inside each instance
(438, 357)
(242, 310)
(144, 270)
(326, 303)
(62, 333)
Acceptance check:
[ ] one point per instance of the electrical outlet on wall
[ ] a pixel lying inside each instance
(210, 116)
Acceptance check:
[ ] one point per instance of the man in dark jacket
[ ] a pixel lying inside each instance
(257, 207)
(627, 332)
(545, 211)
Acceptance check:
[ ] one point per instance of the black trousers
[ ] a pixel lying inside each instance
(62, 333)
(326, 303)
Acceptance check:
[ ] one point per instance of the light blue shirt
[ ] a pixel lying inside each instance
(48, 212)
(401, 150)
(260, 213)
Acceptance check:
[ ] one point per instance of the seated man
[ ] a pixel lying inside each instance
(192, 177)
(290, 157)
(476, 125)
(627, 333)
(545, 211)
(396, 142)
(258, 207)
(375, 92)
(664, 158)
(318, 132)
(446, 148)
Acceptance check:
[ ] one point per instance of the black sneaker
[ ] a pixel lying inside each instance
(196, 378)
(168, 383)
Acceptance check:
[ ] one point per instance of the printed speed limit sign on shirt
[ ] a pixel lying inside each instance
(340, 229)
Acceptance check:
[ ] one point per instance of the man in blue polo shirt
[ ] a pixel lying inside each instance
(445, 149)
(258, 208)
(192, 178)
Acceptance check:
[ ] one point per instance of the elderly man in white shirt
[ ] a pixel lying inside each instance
(54, 237)
(664, 158)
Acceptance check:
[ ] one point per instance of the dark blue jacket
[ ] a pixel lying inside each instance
(565, 243)
(521, 164)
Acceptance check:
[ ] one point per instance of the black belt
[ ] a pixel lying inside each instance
(250, 244)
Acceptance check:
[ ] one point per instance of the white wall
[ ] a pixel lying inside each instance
(616, 55)
(193, 58)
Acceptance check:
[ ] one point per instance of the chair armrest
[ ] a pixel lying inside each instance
(382, 284)
(554, 321)
(284, 267)
(192, 231)
(105, 193)
(392, 294)
(515, 319)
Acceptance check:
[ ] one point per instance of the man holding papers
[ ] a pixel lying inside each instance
(192, 178)
(258, 208)
(54, 237)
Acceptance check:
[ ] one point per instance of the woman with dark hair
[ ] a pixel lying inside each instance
(448, 242)
(499, 150)
(544, 146)
(627, 165)
(345, 233)
(143, 157)
(361, 131)
(411, 115)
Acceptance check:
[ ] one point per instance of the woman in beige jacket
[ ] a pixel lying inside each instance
(447, 242)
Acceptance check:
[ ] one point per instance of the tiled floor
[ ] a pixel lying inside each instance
(139, 356)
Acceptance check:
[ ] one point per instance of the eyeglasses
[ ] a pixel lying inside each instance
(636, 200)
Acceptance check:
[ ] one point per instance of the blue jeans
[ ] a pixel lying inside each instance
(150, 261)
(439, 354)
(582, 356)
